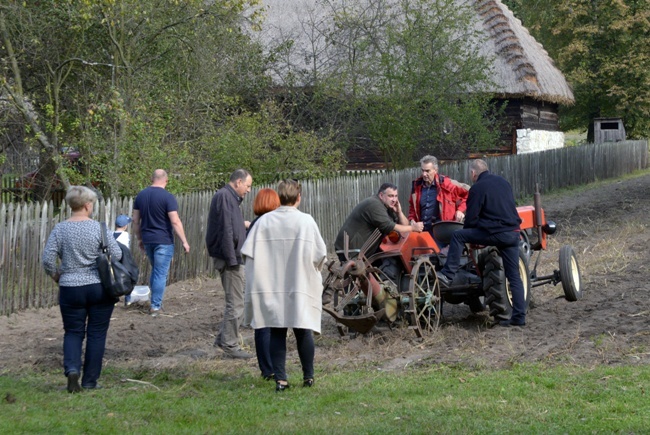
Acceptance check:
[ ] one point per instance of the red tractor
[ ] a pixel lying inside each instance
(361, 291)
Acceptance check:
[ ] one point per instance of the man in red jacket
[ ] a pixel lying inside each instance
(435, 197)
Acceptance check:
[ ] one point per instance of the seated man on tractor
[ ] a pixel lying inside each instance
(381, 211)
(435, 197)
(492, 219)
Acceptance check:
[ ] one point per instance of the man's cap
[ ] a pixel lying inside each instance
(123, 220)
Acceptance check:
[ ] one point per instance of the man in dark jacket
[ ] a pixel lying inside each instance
(224, 238)
(491, 219)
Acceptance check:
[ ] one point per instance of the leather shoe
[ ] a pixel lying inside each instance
(507, 323)
(308, 383)
(89, 387)
(281, 387)
(73, 382)
(444, 279)
(237, 354)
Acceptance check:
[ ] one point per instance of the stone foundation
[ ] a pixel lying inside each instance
(530, 141)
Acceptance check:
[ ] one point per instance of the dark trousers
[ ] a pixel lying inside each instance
(508, 244)
(306, 350)
(86, 313)
(263, 350)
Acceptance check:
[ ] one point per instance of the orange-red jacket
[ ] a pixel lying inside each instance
(452, 196)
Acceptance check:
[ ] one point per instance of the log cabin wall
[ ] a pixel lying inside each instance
(533, 114)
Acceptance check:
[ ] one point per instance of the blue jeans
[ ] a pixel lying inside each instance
(86, 313)
(263, 350)
(306, 351)
(160, 257)
(508, 244)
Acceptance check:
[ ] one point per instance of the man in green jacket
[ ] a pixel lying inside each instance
(381, 211)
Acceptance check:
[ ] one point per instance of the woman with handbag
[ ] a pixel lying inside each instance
(85, 308)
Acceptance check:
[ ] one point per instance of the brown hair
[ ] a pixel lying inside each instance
(289, 190)
(265, 201)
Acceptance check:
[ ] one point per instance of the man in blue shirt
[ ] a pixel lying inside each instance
(155, 219)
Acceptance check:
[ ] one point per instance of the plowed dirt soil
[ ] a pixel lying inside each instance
(606, 223)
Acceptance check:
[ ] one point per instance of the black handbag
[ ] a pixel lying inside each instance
(118, 277)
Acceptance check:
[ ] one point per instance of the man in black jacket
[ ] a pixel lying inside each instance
(491, 219)
(224, 238)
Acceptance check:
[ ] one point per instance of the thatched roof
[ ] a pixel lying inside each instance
(521, 67)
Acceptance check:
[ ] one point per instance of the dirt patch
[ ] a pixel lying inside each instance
(607, 225)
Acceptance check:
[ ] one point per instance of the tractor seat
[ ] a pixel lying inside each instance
(443, 230)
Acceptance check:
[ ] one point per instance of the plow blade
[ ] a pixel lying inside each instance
(362, 324)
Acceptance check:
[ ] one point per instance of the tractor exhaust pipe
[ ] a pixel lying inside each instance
(537, 202)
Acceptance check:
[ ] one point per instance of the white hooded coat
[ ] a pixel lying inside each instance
(284, 253)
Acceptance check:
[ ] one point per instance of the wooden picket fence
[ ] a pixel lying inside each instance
(24, 227)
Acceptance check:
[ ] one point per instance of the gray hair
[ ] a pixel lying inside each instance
(479, 166)
(429, 159)
(239, 174)
(78, 196)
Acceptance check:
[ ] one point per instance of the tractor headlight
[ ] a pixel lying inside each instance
(550, 227)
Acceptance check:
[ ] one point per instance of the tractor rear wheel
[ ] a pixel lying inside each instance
(570, 274)
(425, 303)
(525, 279)
(494, 286)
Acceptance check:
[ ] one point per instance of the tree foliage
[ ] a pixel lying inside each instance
(602, 48)
(134, 86)
(403, 72)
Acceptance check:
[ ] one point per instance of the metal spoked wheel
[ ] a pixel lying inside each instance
(350, 300)
(426, 304)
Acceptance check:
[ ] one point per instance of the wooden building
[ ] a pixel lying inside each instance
(525, 77)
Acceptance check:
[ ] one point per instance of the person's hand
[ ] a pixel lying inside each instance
(141, 245)
(186, 246)
(460, 216)
(417, 226)
(247, 224)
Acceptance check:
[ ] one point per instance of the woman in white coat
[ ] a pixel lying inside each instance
(284, 255)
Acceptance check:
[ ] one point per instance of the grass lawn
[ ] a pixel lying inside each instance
(433, 399)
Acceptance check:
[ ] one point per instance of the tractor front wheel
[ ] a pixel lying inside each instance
(570, 274)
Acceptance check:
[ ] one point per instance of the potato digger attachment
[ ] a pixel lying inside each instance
(398, 286)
